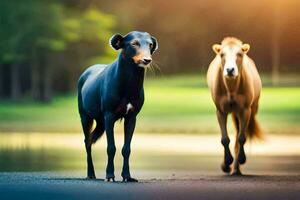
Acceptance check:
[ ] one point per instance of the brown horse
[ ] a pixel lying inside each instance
(235, 88)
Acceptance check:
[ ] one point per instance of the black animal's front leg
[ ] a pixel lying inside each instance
(129, 126)
(111, 148)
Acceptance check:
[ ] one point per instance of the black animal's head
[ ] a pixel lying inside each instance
(137, 47)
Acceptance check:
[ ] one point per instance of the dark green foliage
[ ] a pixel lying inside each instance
(51, 42)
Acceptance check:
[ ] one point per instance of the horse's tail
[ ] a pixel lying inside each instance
(253, 130)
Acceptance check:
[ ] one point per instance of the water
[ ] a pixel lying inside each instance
(168, 153)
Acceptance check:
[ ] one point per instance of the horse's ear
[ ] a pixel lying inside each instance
(245, 48)
(216, 48)
(116, 41)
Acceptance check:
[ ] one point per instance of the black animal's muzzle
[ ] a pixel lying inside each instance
(146, 61)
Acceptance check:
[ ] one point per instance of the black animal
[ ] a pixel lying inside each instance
(107, 93)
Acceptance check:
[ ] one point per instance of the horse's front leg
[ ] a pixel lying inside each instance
(240, 157)
(222, 119)
(129, 126)
(111, 148)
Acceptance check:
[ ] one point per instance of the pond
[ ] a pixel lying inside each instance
(158, 153)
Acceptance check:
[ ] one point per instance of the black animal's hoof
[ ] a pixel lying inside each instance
(91, 177)
(226, 168)
(129, 179)
(112, 179)
(236, 172)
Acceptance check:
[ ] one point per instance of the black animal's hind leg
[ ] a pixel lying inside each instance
(228, 159)
(129, 126)
(111, 148)
(87, 123)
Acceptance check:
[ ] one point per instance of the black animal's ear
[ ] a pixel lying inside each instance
(154, 45)
(116, 41)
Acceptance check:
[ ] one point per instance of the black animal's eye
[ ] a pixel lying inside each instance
(239, 54)
(135, 43)
(150, 45)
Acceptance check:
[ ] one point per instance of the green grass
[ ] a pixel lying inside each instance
(173, 105)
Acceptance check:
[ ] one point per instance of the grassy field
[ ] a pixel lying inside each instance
(173, 105)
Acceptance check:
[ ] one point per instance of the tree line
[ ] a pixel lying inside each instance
(45, 45)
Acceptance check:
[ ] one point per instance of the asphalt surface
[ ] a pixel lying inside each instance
(39, 166)
(51, 185)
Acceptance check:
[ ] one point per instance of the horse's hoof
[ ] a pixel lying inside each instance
(242, 158)
(236, 172)
(112, 179)
(226, 168)
(129, 179)
(228, 160)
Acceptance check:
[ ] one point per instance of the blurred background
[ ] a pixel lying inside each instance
(46, 45)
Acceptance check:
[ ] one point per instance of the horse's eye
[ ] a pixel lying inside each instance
(135, 43)
(150, 45)
(239, 54)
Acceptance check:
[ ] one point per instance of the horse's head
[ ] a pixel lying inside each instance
(231, 52)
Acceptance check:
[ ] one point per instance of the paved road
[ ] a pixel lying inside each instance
(177, 167)
(50, 185)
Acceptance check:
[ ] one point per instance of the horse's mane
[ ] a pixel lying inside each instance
(231, 41)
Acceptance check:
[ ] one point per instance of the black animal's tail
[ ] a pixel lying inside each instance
(93, 134)
(97, 133)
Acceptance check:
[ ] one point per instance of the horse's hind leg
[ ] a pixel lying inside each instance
(236, 165)
(222, 119)
(240, 157)
(87, 124)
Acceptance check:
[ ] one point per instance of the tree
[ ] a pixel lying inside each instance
(37, 33)
(275, 43)
(25, 35)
